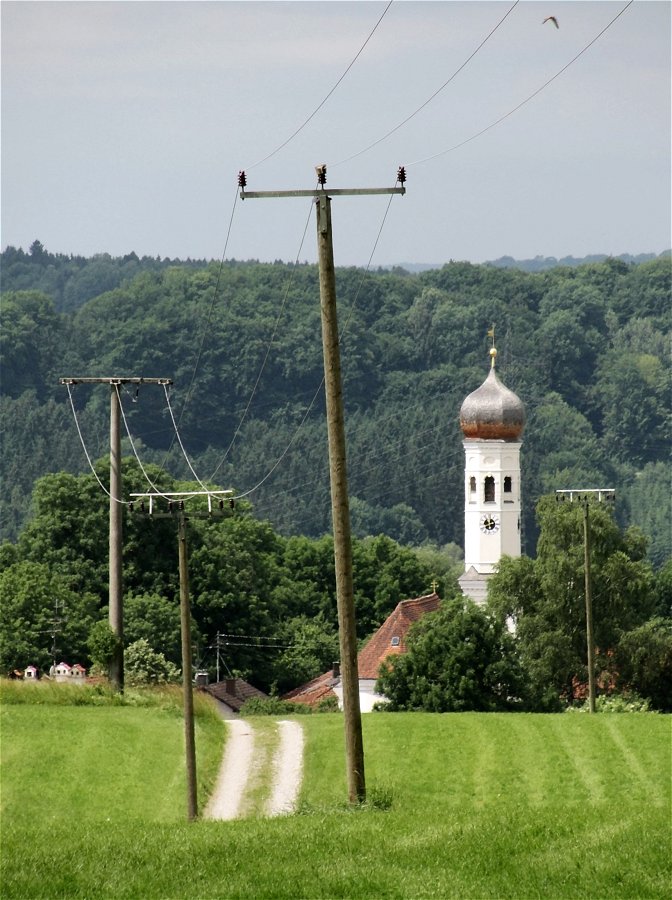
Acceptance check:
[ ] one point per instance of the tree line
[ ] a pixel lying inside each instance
(584, 347)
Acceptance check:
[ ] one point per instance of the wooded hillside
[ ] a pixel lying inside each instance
(586, 348)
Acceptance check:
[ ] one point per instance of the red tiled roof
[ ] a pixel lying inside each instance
(379, 647)
(234, 692)
(314, 691)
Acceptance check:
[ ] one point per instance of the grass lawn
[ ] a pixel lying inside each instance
(468, 805)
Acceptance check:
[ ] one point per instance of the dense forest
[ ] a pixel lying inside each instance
(585, 347)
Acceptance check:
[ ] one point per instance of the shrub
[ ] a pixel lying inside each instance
(273, 706)
(616, 703)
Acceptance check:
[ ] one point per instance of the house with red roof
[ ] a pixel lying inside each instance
(389, 640)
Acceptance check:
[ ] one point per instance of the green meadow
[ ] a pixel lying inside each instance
(460, 805)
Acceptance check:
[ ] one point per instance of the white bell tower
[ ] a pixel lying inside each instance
(492, 419)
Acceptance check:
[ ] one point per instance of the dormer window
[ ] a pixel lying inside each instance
(395, 641)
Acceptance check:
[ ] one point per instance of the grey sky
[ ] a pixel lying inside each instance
(124, 126)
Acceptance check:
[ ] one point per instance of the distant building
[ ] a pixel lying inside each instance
(231, 694)
(389, 640)
(61, 672)
(31, 673)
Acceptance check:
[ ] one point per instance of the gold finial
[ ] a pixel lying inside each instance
(493, 350)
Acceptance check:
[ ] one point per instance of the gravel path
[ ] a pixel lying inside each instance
(237, 762)
(288, 768)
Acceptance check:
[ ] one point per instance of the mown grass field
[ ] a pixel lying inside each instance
(481, 806)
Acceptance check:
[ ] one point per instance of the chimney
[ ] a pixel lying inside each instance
(230, 686)
(336, 669)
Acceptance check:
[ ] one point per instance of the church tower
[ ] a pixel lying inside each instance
(492, 420)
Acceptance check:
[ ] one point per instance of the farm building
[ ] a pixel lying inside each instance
(389, 640)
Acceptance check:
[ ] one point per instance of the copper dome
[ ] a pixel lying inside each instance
(492, 412)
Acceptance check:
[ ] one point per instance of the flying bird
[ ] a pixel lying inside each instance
(551, 19)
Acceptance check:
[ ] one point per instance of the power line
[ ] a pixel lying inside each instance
(527, 99)
(433, 96)
(320, 105)
(86, 452)
(132, 443)
(321, 385)
(179, 440)
(268, 349)
(206, 328)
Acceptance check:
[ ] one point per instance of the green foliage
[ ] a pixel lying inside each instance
(312, 647)
(615, 703)
(458, 659)
(102, 644)
(644, 662)
(597, 408)
(545, 597)
(42, 617)
(143, 665)
(273, 706)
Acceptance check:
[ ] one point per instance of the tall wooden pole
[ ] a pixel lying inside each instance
(354, 745)
(116, 602)
(185, 622)
(589, 609)
(340, 506)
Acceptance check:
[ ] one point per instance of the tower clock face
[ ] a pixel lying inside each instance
(489, 523)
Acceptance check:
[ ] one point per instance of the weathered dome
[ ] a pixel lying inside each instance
(492, 412)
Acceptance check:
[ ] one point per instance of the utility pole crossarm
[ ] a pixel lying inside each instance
(114, 380)
(321, 192)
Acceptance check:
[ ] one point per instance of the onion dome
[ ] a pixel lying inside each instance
(492, 412)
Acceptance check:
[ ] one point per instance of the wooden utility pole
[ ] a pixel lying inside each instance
(175, 509)
(340, 508)
(116, 601)
(589, 608)
(185, 623)
(584, 497)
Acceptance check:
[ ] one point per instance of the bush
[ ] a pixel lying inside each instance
(616, 703)
(143, 665)
(273, 706)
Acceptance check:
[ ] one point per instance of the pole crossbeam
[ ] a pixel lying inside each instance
(321, 192)
(114, 379)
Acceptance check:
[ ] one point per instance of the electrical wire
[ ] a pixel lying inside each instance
(268, 349)
(179, 440)
(320, 105)
(526, 100)
(206, 328)
(86, 452)
(292, 440)
(135, 452)
(433, 96)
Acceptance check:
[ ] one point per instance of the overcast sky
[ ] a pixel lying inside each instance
(124, 125)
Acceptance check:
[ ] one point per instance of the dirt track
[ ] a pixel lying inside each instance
(226, 801)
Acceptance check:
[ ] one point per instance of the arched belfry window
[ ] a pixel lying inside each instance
(472, 484)
(489, 489)
(507, 484)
